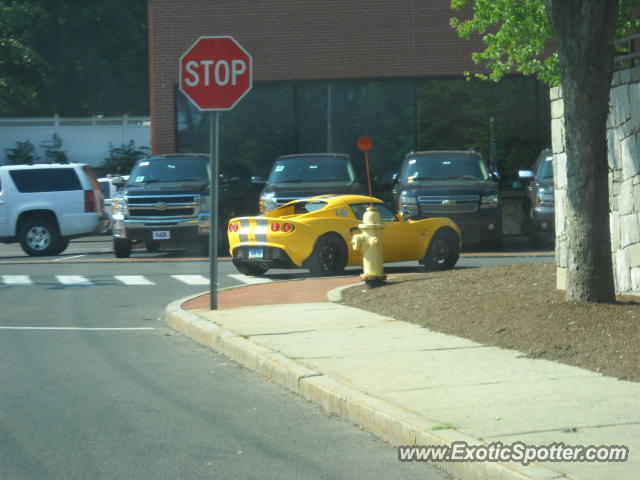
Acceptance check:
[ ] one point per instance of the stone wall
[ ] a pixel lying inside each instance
(623, 138)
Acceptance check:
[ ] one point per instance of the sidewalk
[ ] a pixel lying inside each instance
(409, 385)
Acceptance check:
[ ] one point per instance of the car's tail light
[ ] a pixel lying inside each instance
(233, 227)
(89, 201)
(287, 227)
(275, 227)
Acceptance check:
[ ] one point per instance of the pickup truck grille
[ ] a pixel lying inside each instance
(449, 204)
(163, 206)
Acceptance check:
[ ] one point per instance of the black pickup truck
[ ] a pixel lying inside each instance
(166, 201)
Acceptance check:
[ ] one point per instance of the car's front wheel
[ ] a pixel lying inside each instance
(40, 237)
(329, 257)
(122, 247)
(443, 251)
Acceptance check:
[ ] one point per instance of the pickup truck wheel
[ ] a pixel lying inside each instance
(252, 270)
(39, 237)
(443, 251)
(329, 256)
(122, 247)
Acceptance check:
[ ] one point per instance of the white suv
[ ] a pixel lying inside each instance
(44, 206)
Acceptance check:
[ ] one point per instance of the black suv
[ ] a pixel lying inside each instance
(452, 184)
(307, 175)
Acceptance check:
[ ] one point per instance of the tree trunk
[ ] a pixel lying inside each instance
(586, 34)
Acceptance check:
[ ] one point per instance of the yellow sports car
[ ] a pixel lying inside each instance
(316, 233)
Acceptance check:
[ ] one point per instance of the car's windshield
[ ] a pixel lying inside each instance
(386, 213)
(546, 169)
(174, 169)
(312, 169)
(446, 166)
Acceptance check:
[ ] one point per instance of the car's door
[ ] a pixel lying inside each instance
(4, 228)
(400, 240)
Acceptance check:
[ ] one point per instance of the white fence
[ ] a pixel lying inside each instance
(85, 140)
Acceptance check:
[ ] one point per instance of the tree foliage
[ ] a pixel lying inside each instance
(519, 37)
(22, 154)
(21, 65)
(73, 58)
(121, 159)
(53, 152)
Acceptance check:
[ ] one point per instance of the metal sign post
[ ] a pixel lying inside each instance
(213, 229)
(215, 73)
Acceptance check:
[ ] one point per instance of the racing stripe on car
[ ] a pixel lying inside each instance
(243, 229)
(262, 227)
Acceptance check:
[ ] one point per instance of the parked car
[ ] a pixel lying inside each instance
(452, 184)
(166, 201)
(316, 233)
(306, 175)
(44, 206)
(109, 191)
(540, 204)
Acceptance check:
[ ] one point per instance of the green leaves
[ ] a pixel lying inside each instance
(517, 35)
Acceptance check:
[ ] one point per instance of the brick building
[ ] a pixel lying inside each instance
(327, 71)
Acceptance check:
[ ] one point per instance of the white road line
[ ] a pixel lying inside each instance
(249, 280)
(73, 280)
(192, 279)
(133, 280)
(106, 329)
(67, 258)
(16, 280)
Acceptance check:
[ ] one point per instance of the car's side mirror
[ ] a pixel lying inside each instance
(258, 180)
(526, 175)
(118, 182)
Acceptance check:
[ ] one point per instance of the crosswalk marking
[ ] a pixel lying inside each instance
(249, 280)
(73, 280)
(16, 280)
(133, 280)
(192, 279)
(129, 280)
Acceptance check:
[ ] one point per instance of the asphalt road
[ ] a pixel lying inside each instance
(92, 385)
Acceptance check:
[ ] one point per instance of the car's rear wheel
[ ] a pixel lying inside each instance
(329, 257)
(122, 247)
(250, 269)
(40, 237)
(443, 251)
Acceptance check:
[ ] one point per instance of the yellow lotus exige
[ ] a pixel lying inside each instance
(316, 232)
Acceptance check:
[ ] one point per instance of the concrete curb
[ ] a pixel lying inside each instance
(388, 422)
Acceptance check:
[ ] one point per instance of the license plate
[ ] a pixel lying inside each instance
(161, 235)
(255, 253)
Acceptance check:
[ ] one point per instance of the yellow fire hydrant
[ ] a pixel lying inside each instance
(370, 242)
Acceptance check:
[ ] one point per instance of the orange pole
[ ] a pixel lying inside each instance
(366, 162)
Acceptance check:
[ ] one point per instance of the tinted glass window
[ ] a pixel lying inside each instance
(546, 169)
(444, 167)
(186, 169)
(386, 214)
(312, 169)
(46, 180)
(104, 186)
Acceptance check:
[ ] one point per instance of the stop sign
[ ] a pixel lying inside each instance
(215, 73)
